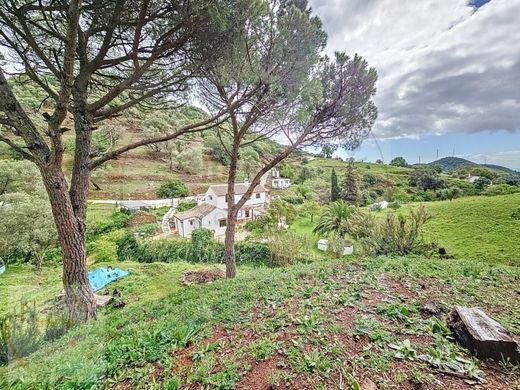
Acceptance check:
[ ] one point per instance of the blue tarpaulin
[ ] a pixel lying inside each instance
(100, 277)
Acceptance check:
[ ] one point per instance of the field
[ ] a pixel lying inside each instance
(328, 324)
(477, 228)
(473, 228)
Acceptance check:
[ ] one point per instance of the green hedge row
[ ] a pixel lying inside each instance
(202, 250)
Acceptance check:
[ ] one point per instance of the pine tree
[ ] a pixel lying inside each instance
(349, 188)
(334, 187)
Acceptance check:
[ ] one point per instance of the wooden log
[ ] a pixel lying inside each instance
(102, 300)
(482, 335)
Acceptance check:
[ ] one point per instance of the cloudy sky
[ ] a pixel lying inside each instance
(449, 74)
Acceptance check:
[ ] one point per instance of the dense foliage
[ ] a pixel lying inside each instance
(173, 189)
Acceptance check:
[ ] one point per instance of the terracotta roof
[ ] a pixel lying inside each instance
(221, 189)
(199, 211)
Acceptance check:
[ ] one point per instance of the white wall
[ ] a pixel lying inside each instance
(220, 201)
(184, 228)
(211, 221)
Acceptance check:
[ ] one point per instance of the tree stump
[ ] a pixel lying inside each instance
(482, 335)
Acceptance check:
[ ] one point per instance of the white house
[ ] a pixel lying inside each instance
(473, 179)
(204, 215)
(277, 181)
(212, 213)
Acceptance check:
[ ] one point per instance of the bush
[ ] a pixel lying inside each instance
(286, 247)
(336, 245)
(516, 214)
(259, 225)
(396, 234)
(173, 189)
(117, 220)
(104, 249)
(128, 248)
(252, 253)
(19, 333)
(203, 246)
(185, 205)
(294, 199)
(501, 189)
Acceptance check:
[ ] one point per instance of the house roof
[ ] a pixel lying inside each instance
(133, 204)
(241, 188)
(199, 211)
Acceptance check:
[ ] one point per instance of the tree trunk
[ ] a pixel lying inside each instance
(229, 243)
(229, 246)
(79, 296)
(38, 262)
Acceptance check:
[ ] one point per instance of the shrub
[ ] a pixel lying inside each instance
(128, 248)
(203, 246)
(58, 323)
(117, 220)
(252, 253)
(259, 225)
(286, 247)
(336, 244)
(173, 189)
(501, 189)
(19, 333)
(516, 214)
(185, 205)
(396, 234)
(294, 199)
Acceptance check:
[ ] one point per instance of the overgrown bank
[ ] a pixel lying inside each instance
(303, 325)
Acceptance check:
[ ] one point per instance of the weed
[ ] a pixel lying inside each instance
(205, 351)
(404, 350)
(262, 349)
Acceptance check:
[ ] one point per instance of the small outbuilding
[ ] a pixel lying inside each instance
(133, 206)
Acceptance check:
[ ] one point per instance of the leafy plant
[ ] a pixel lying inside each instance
(262, 349)
(397, 234)
(334, 219)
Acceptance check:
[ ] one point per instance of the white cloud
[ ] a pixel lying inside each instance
(443, 65)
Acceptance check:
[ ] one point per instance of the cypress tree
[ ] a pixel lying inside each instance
(334, 187)
(349, 188)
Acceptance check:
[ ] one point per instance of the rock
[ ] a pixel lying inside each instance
(482, 335)
(431, 307)
(367, 384)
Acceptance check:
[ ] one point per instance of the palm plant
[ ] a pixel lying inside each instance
(334, 219)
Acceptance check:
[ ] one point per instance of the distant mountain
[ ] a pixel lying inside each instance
(499, 168)
(454, 163)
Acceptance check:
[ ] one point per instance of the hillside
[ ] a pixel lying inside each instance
(456, 163)
(304, 326)
(477, 228)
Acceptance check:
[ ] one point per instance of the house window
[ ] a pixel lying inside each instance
(191, 222)
(210, 197)
(222, 222)
(247, 213)
(257, 196)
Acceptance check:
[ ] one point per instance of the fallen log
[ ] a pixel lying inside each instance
(482, 335)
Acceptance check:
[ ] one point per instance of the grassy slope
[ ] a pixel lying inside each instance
(304, 326)
(477, 228)
(474, 228)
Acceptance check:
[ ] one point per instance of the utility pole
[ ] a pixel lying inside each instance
(437, 154)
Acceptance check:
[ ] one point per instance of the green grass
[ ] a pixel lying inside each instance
(147, 282)
(312, 323)
(476, 228)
